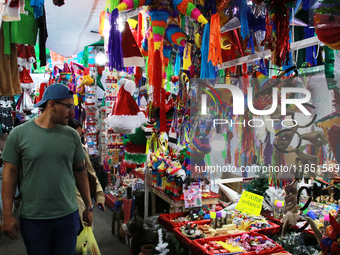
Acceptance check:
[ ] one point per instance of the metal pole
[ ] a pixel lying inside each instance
(146, 183)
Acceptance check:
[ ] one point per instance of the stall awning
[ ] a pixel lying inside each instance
(69, 26)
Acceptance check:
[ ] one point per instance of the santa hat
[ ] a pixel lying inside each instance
(26, 81)
(131, 52)
(126, 115)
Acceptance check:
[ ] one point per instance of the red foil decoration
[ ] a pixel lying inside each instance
(280, 17)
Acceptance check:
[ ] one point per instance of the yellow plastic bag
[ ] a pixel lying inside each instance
(86, 243)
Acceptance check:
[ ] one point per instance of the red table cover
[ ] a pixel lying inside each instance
(275, 229)
(166, 220)
(198, 249)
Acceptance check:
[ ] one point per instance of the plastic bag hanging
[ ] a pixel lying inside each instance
(86, 243)
(114, 48)
(27, 104)
(19, 106)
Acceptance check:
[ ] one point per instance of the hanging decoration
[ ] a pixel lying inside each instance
(207, 68)
(215, 52)
(115, 50)
(159, 13)
(126, 115)
(279, 12)
(327, 28)
(131, 53)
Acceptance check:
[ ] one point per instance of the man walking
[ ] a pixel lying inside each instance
(52, 161)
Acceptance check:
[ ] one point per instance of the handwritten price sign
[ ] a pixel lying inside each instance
(250, 203)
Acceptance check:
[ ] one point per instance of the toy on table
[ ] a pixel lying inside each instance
(191, 231)
(194, 215)
(244, 222)
(240, 244)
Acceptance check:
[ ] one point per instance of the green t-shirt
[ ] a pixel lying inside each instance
(47, 155)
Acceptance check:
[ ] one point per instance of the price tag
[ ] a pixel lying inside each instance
(250, 203)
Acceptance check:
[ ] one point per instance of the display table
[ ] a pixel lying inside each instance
(176, 203)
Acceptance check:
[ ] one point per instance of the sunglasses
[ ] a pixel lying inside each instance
(69, 107)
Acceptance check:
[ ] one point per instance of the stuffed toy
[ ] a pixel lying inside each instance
(285, 137)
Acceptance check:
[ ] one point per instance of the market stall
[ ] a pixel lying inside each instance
(224, 112)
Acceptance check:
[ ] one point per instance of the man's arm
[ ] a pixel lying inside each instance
(82, 182)
(9, 183)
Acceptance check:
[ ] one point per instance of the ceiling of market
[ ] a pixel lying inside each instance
(69, 26)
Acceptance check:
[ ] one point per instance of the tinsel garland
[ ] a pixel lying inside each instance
(115, 50)
(279, 11)
(295, 244)
(136, 158)
(268, 37)
(161, 246)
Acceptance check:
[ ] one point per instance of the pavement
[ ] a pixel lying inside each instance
(108, 244)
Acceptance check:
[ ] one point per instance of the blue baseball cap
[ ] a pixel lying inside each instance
(56, 91)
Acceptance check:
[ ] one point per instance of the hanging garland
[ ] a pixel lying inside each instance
(279, 12)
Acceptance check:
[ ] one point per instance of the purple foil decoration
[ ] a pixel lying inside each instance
(130, 70)
(115, 40)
